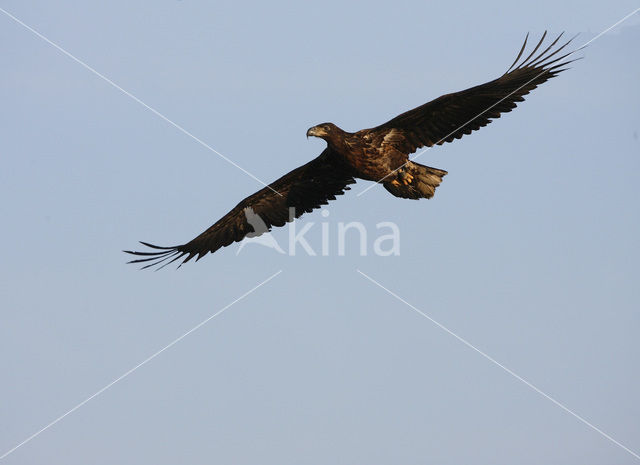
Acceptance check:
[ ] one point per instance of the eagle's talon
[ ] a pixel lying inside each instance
(407, 179)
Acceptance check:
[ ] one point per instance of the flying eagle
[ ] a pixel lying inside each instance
(380, 154)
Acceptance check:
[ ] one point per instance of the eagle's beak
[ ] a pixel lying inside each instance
(316, 132)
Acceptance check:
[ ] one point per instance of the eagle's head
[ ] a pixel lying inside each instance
(324, 130)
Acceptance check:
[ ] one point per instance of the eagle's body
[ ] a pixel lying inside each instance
(379, 154)
(374, 155)
(368, 153)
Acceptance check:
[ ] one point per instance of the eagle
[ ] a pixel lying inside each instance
(380, 154)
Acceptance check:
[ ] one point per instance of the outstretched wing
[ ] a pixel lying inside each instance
(299, 191)
(453, 115)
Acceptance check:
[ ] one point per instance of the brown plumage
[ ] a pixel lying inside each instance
(380, 154)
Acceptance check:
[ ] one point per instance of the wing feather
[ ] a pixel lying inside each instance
(302, 190)
(451, 116)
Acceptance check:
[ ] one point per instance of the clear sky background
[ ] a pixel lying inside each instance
(529, 249)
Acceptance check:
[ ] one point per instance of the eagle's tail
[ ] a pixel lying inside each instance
(415, 181)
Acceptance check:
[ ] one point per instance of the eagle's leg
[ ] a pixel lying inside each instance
(405, 177)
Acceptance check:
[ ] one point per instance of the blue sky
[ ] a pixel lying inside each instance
(529, 249)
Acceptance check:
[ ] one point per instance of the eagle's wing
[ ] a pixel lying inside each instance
(451, 116)
(303, 189)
